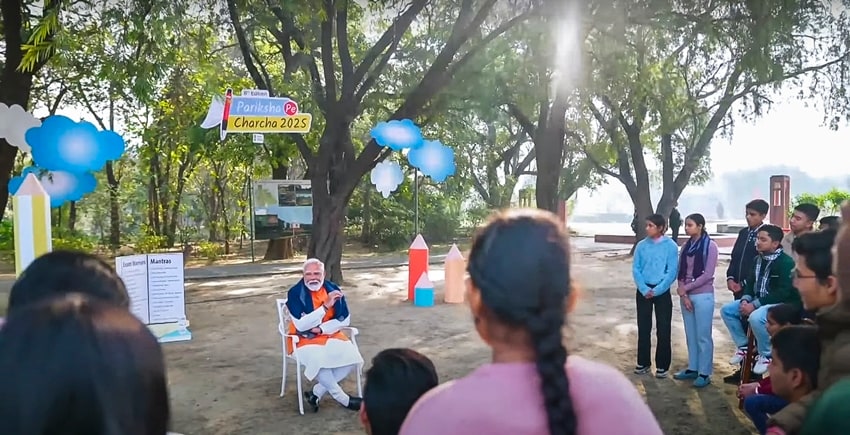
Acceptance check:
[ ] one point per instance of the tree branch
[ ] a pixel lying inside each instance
(345, 61)
(327, 44)
(523, 120)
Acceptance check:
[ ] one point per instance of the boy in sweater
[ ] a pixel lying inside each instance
(830, 299)
(741, 264)
(769, 284)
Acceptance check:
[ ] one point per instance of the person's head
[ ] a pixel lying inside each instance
(768, 239)
(75, 365)
(804, 217)
(796, 358)
(813, 275)
(780, 316)
(519, 302)
(841, 255)
(695, 225)
(314, 274)
(756, 211)
(60, 272)
(829, 222)
(656, 225)
(396, 380)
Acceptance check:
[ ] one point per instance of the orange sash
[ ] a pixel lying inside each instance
(319, 298)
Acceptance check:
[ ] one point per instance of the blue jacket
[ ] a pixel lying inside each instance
(656, 262)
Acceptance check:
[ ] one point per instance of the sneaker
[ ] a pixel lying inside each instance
(761, 365)
(740, 355)
(683, 375)
(661, 374)
(702, 381)
(641, 370)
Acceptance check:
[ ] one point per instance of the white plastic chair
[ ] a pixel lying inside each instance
(283, 330)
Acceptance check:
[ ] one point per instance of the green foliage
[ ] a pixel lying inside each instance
(7, 235)
(210, 250)
(72, 242)
(148, 243)
(829, 203)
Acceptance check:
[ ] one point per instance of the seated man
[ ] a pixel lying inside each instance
(318, 311)
(397, 379)
(770, 283)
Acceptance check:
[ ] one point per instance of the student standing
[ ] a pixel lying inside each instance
(675, 222)
(802, 221)
(654, 269)
(697, 263)
(743, 257)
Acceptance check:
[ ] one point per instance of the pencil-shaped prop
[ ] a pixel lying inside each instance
(228, 97)
(32, 223)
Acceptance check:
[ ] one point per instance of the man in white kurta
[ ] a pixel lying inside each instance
(319, 311)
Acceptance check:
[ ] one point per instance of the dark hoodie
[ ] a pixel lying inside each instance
(834, 333)
(743, 256)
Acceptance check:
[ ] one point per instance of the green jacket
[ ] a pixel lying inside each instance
(828, 415)
(780, 287)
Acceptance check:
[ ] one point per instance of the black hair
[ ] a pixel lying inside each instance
(657, 220)
(830, 222)
(815, 249)
(530, 291)
(60, 272)
(810, 210)
(74, 365)
(798, 347)
(775, 233)
(699, 220)
(396, 380)
(785, 314)
(759, 206)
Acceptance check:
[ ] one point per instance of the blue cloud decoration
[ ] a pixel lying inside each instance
(65, 155)
(397, 134)
(434, 160)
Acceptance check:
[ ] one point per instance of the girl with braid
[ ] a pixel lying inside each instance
(519, 293)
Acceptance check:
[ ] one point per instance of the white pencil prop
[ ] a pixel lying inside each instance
(32, 223)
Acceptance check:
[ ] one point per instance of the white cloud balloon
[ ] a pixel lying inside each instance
(14, 123)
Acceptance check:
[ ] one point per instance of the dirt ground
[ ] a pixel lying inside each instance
(227, 379)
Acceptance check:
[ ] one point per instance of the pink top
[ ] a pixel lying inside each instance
(705, 282)
(505, 399)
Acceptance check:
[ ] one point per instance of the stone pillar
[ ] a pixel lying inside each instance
(780, 200)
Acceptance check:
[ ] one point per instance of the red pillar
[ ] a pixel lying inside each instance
(562, 212)
(417, 264)
(780, 200)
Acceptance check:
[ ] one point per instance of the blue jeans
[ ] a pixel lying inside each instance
(698, 325)
(758, 323)
(759, 406)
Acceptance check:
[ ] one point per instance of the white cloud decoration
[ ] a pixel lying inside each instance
(14, 123)
(386, 177)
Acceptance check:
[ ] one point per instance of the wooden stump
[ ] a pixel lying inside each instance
(280, 249)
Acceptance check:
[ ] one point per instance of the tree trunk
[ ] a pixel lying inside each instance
(114, 208)
(328, 235)
(72, 217)
(549, 148)
(366, 231)
(280, 172)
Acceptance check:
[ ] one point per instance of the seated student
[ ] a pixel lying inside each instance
(770, 284)
(829, 296)
(60, 272)
(396, 380)
(759, 398)
(794, 367)
(802, 221)
(74, 365)
(319, 311)
(519, 304)
(829, 222)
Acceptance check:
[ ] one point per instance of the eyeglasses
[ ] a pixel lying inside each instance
(796, 275)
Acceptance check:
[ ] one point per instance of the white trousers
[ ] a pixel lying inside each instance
(328, 382)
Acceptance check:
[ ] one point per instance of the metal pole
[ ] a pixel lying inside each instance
(251, 206)
(415, 202)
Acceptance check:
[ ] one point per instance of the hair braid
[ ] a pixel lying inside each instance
(545, 330)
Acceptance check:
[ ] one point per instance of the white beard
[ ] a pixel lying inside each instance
(314, 286)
